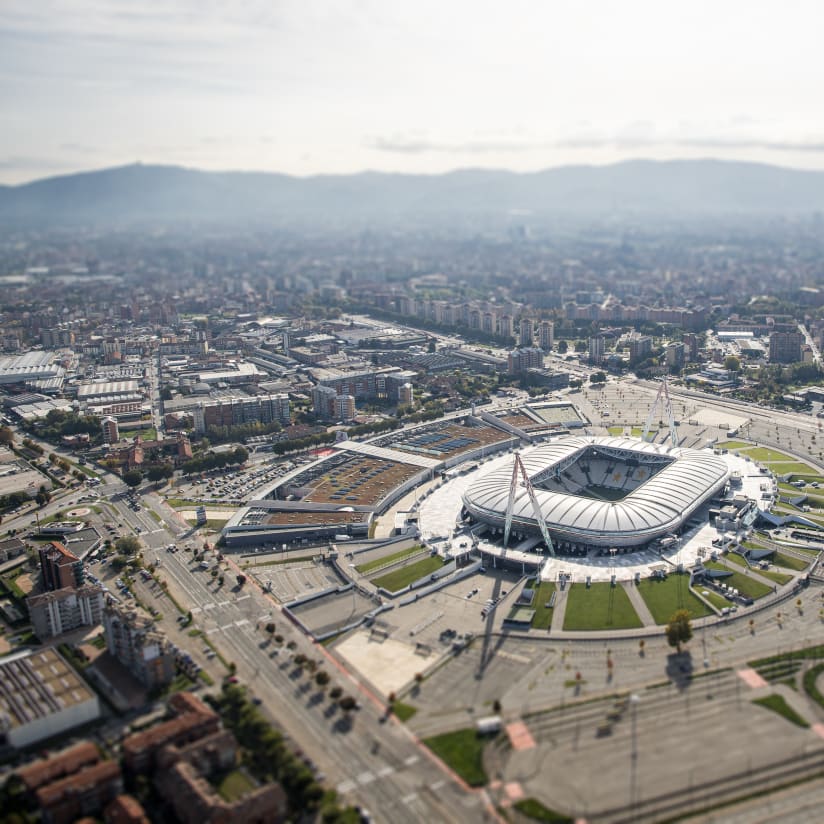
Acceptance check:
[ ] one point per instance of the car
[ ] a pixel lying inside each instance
(232, 679)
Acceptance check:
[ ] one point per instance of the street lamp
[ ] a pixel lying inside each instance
(633, 763)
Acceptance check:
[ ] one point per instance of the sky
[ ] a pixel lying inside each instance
(417, 86)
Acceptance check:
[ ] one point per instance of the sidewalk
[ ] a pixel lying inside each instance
(639, 604)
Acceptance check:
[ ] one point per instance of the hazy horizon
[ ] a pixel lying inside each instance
(307, 88)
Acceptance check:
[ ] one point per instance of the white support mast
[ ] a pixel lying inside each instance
(518, 468)
(662, 399)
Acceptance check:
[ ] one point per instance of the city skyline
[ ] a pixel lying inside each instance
(315, 88)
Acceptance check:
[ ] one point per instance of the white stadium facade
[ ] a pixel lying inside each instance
(598, 493)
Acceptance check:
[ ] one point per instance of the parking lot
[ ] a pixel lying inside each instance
(289, 581)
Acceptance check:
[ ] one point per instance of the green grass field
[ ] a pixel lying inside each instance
(403, 712)
(780, 578)
(400, 578)
(665, 597)
(789, 562)
(764, 454)
(776, 703)
(387, 559)
(746, 585)
(734, 445)
(602, 606)
(787, 468)
(543, 615)
(735, 558)
(234, 785)
(718, 601)
(462, 751)
(531, 808)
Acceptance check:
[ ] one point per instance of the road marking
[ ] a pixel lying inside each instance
(385, 771)
(438, 784)
(242, 598)
(346, 786)
(241, 622)
(211, 606)
(195, 610)
(413, 759)
(366, 777)
(408, 799)
(521, 659)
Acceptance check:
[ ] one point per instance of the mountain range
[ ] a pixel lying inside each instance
(150, 194)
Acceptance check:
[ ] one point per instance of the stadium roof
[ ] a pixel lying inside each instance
(654, 508)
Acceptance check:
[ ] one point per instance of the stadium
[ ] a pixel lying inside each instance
(596, 493)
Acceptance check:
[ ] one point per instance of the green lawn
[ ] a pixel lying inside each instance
(718, 601)
(211, 523)
(387, 559)
(615, 430)
(789, 561)
(734, 445)
(234, 785)
(462, 751)
(665, 597)
(766, 455)
(145, 434)
(403, 712)
(736, 559)
(543, 615)
(400, 578)
(531, 808)
(180, 503)
(780, 578)
(602, 606)
(776, 703)
(745, 584)
(787, 468)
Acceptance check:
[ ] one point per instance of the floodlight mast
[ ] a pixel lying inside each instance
(662, 399)
(518, 468)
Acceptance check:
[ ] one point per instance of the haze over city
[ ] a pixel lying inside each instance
(338, 87)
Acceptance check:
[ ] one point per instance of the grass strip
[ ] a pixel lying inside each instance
(777, 704)
(461, 751)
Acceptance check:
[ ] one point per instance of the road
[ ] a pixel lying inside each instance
(379, 765)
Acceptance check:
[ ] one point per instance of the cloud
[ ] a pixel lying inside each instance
(421, 145)
(633, 138)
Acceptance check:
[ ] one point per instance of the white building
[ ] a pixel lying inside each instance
(64, 610)
(41, 696)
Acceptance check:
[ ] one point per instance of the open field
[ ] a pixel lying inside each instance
(403, 577)
(602, 606)
(746, 585)
(664, 597)
(375, 563)
(462, 751)
(543, 614)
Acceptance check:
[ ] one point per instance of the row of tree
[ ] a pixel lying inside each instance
(215, 460)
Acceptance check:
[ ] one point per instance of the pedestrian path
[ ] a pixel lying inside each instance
(640, 605)
(558, 611)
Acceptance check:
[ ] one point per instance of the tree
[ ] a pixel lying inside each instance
(679, 629)
(128, 545)
(270, 628)
(241, 580)
(563, 346)
(158, 472)
(6, 436)
(732, 363)
(598, 377)
(322, 678)
(335, 693)
(133, 478)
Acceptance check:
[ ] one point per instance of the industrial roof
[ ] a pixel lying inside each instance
(657, 506)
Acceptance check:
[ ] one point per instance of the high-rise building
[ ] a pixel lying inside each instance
(323, 402)
(134, 641)
(344, 407)
(111, 433)
(675, 355)
(64, 610)
(519, 360)
(546, 335)
(596, 349)
(406, 394)
(505, 326)
(785, 347)
(526, 333)
(640, 347)
(59, 567)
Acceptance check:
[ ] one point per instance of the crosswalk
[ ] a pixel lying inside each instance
(367, 777)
